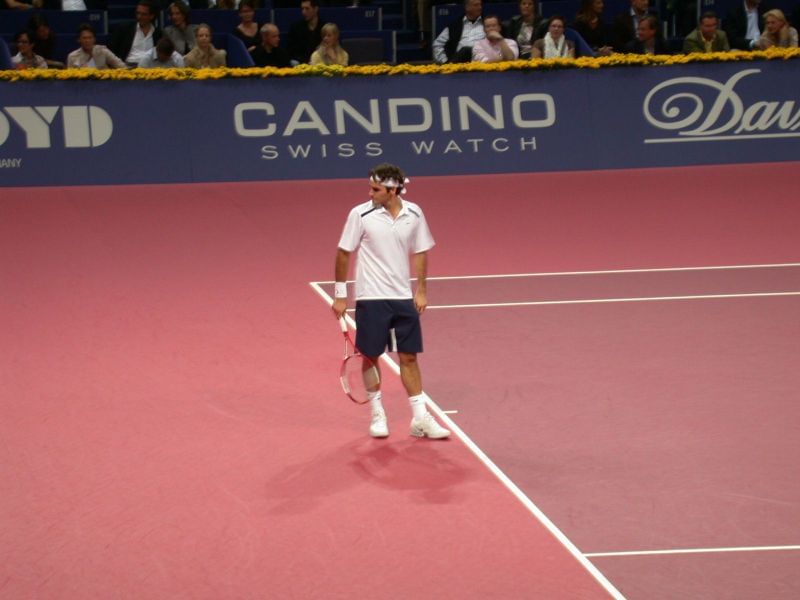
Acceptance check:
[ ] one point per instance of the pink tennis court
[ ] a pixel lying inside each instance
(615, 351)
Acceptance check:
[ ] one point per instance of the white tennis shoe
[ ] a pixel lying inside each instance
(428, 427)
(378, 428)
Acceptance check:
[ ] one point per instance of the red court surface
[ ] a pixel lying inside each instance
(173, 426)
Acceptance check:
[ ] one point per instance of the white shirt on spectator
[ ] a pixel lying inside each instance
(753, 32)
(471, 33)
(486, 52)
(142, 44)
(151, 61)
(73, 5)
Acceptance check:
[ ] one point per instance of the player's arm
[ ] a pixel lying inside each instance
(421, 268)
(341, 270)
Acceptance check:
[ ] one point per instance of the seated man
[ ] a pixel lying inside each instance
(626, 26)
(131, 41)
(163, 56)
(455, 42)
(707, 37)
(494, 47)
(649, 41)
(269, 53)
(305, 35)
(744, 24)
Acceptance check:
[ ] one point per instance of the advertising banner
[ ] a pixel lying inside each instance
(115, 132)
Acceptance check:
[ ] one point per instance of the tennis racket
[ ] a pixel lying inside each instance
(359, 374)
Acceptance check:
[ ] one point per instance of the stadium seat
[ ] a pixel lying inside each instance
(5, 56)
(364, 50)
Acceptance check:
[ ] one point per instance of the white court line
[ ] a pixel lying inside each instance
(606, 272)
(695, 551)
(611, 300)
(504, 479)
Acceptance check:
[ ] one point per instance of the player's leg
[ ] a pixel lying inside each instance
(372, 333)
(407, 340)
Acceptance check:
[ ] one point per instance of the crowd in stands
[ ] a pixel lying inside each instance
(476, 36)
(637, 30)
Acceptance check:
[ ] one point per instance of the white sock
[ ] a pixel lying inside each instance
(375, 400)
(418, 405)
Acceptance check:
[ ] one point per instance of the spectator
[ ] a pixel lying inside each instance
(330, 52)
(424, 21)
(494, 47)
(554, 44)
(649, 40)
(18, 5)
(204, 55)
(522, 27)
(44, 40)
(132, 40)
(305, 35)
(91, 55)
(626, 26)
(707, 37)
(269, 53)
(181, 31)
(71, 4)
(25, 57)
(743, 25)
(777, 31)
(163, 56)
(247, 29)
(454, 44)
(591, 27)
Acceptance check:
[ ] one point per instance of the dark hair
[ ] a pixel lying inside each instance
(586, 10)
(492, 16)
(653, 20)
(183, 8)
(165, 46)
(25, 32)
(314, 3)
(389, 171)
(37, 21)
(250, 3)
(557, 18)
(86, 27)
(709, 14)
(150, 6)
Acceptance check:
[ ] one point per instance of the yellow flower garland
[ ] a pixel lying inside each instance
(615, 60)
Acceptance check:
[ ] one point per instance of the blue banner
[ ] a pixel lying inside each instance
(114, 132)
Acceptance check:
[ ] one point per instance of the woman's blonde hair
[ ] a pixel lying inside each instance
(782, 37)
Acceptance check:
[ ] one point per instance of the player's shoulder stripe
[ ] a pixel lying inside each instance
(364, 214)
(414, 212)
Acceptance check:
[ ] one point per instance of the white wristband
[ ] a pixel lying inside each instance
(340, 289)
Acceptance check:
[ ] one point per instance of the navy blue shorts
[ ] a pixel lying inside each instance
(392, 324)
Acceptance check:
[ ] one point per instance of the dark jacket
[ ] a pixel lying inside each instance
(121, 39)
(735, 25)
(303, 41)
(279, 57)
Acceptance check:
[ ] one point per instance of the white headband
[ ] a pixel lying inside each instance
(389, 182)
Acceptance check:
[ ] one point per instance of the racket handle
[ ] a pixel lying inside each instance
(343, 324)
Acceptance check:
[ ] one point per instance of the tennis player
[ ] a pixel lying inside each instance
(389, 233)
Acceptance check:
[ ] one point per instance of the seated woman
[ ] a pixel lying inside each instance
(522, 27)
(329, 51)
(777, 31)
(181, 32)
(44, 39)
(591, 27)
(91, 55)
(25, 58)
(247, 29)
(204, 54)
(554, 44)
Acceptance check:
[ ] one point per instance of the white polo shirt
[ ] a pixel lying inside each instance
(383, 271)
